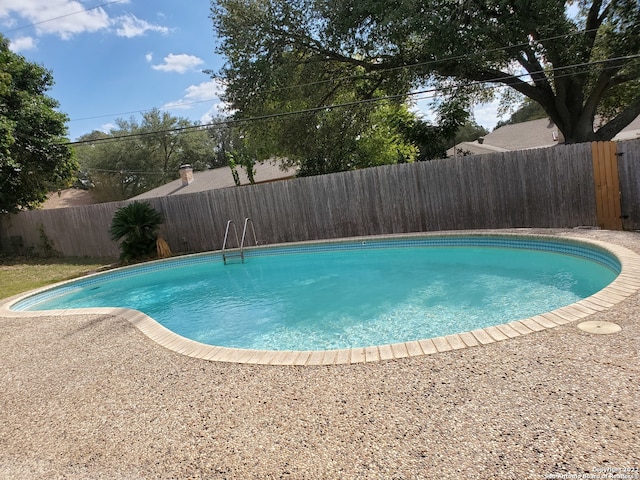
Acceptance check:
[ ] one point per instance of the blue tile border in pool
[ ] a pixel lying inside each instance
(590, 252)
(539, 243)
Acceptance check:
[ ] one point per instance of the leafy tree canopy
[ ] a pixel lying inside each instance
(468, 132)
(324, 116)
(148, 154)
(575, 58)
(34, 155)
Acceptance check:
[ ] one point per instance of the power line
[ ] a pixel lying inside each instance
(273, 116)
(364, 75)
(123, 171)
(63, 16)
(181, 104)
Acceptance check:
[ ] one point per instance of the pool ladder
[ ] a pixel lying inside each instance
(239, 251)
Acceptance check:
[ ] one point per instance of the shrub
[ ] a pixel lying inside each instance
(137, 225)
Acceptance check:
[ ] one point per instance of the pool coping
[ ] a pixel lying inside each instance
(623, 286)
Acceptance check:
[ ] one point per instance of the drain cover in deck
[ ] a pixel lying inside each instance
(599, 328)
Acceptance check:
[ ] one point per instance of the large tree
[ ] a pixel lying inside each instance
(137, 156)
(34, 155)
(576, 59)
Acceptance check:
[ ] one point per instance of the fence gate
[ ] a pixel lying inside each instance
(605, 174)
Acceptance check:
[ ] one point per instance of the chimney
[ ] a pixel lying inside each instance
(186, 174)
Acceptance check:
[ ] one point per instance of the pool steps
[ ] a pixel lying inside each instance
(238, 252)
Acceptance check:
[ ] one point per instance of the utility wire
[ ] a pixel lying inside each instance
(363, 75)
(231, 122)
(123, 171)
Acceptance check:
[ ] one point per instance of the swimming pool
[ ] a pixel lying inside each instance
(347, 295)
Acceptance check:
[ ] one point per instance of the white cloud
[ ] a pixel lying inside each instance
(202, 93)
(149, 57)
(21, 44)
(487, 114)
(131, 26)
(66, 18)
(177, 105)
(178, 63)
(217, 110)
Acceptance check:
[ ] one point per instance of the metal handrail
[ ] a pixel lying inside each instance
(226, 236)
(248, 221)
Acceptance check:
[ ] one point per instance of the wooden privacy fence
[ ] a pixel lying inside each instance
(546, 188)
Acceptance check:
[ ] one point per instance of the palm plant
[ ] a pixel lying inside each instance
(137, 225)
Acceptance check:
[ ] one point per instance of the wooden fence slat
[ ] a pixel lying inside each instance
(599, 181)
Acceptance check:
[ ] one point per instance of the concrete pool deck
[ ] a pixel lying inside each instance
(89, 396)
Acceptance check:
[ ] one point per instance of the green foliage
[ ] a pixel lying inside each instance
(468, 132)
(528, 110)
(265, 77)
(241, 153)
(16, 243)
(46, 245)
(576, 62)
(125, 167)
(434, 141)
(34, 156)
(234, 168)
(137, 226)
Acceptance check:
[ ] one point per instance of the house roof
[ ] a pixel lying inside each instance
(518, 136)
(532, 134)
(219, 178)
(69, 197)
(631, 131)
(474, 148)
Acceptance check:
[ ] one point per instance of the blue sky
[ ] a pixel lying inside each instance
(120, 59)
(115, 59)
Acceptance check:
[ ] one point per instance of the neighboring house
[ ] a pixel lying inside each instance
(526, 135)
(191, 182)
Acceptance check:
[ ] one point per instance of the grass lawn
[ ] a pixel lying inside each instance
(19, 275)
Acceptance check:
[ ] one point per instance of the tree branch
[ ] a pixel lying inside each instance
(624, 118)
(531, 63)
(593, 22)
(606, 80)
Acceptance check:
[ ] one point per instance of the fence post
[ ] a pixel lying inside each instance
(607, 183)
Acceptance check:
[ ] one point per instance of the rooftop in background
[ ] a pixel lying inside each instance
(219, 178)
(631, 131)
(70, 197)
(526, 135)
(205, 180)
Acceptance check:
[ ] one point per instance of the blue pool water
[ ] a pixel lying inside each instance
(346, 295)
